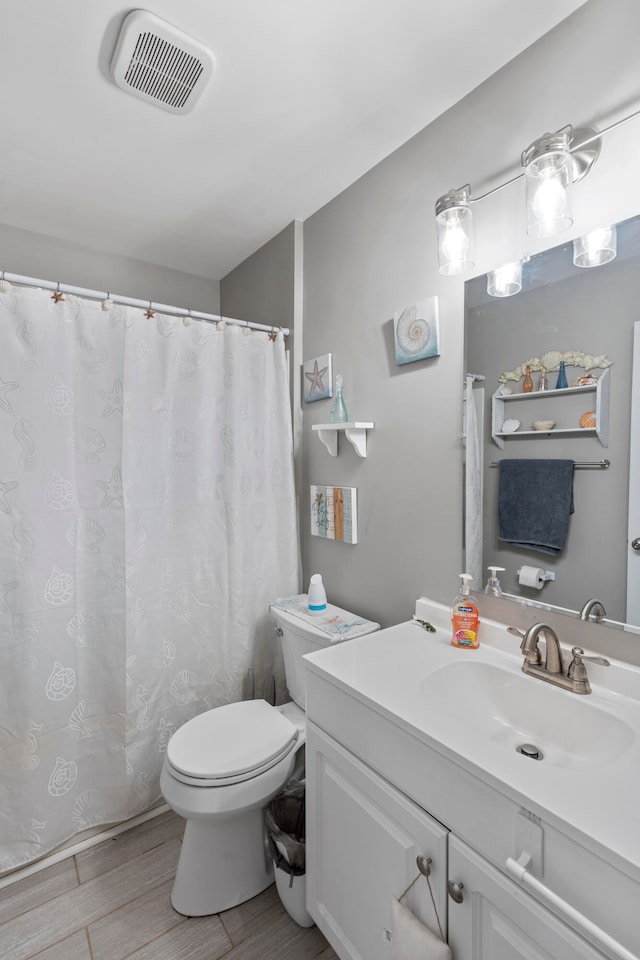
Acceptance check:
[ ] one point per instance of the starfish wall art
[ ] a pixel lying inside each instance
(317, 378)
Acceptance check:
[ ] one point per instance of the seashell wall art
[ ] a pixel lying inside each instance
(416, 332)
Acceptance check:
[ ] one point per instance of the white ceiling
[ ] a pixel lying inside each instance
(308, 95)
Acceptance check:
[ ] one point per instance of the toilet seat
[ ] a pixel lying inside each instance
(230, 744)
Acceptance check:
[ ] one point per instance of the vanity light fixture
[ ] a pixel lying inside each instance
(505, 281)
(454, 223)
(552, 164)
(595, 248)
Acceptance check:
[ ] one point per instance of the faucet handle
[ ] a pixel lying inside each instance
(577, 669)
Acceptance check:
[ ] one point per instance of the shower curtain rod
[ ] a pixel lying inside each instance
(133, 302)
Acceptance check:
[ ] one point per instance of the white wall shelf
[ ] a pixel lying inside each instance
(601, 429)
(355, 432)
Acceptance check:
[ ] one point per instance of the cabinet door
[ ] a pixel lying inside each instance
(497, 920)
(363, 837)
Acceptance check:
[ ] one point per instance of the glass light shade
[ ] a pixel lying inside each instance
(548, 178)
(505, 281)
(455, 239)
(595, 248)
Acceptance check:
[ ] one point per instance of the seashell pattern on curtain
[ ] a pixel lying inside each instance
(147, 520)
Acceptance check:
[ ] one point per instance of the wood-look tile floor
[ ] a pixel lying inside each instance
(112, 902)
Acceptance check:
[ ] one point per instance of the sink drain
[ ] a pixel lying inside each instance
(530, 750)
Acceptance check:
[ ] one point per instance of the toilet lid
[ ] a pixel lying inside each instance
(234, 741)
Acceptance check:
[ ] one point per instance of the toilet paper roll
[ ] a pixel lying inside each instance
(531, 577)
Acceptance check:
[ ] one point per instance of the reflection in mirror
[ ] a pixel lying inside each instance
(563, 309)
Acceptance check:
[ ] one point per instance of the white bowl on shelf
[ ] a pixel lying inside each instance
(510, 426)
(544, 425)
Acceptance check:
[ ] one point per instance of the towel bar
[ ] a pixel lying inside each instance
(602, 464)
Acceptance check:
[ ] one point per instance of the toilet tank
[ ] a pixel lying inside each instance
(299, 636)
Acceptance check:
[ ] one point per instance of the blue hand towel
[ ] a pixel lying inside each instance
(535, 500)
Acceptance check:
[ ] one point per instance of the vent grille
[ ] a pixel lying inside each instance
(163, 71)
(157, 62)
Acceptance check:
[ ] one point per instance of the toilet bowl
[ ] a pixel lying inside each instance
(221, 769)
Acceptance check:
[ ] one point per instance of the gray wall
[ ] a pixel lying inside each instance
(372, 251)
(49, 258)
(593, 311)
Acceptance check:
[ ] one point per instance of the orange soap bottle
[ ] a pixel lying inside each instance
(465, 617)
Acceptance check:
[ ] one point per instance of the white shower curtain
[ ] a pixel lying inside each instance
(147, 519)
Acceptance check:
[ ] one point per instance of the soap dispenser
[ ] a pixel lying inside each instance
(493, 587)
(465, 617)
(316, 596)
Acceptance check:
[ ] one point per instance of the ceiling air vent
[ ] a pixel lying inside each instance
(159, 63)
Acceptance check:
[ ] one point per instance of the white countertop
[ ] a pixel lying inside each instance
(591, 793)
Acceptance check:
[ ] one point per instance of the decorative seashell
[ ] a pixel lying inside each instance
(188, 364)
(89, 353)
(510, 426)
(63, 777)
(543, 424)
(88, 809)
(504, 391)
(60, 398)
(85, 718)
(163, 405)
(181, 687)
(107, 304)
(5, 286)
(183, 444)
(588, 420)
(61, 682)
(90, 446)
(59, 588)
(412, 331)
(588, 380)
(81, 625)
(59, 494)
(85, 534)
(551, 360)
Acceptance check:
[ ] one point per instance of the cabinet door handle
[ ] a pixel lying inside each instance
(519, 872)
(455, 891)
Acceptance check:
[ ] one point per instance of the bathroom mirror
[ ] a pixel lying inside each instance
(563, 307)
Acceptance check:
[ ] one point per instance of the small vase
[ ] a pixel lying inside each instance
(338, 410)
(527, 383)
(543, 383)
(561, 382)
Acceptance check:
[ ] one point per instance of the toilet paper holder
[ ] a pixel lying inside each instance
(541, 575)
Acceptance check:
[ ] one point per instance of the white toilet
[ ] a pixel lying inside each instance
(222, 768)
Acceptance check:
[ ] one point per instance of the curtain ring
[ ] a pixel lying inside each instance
(149, 312)
(107, 304)
(188, 320)
(246, 332)
(57, 296)
(5, 286)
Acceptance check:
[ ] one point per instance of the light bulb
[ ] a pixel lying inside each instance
(455, 244)
(548, 204)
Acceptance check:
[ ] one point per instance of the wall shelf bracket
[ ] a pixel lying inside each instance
(355, 432)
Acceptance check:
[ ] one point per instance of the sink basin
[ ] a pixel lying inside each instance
(481, 700)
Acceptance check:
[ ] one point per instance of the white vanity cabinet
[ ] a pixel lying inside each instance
(380, 792)
(363, 837)
(497, 921)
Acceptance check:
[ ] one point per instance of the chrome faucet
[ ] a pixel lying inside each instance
(595, 607)
(552, 670)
